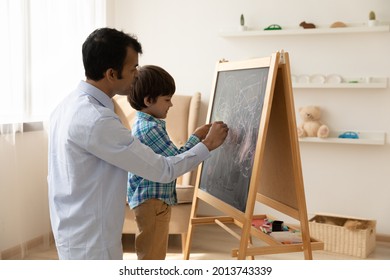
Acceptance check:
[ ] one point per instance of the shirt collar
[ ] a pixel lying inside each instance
(147, 117)
(96, 93)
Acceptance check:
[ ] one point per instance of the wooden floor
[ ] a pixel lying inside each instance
(210, 242)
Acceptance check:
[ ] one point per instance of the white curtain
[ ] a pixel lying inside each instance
(40, 55)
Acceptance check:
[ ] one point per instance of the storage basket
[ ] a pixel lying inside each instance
(344, 235)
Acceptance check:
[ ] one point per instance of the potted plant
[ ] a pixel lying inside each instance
(371, 19)
(242, 23)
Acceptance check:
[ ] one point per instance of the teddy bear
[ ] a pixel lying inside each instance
(311, 125)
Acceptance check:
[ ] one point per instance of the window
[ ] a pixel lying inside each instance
(40, 53)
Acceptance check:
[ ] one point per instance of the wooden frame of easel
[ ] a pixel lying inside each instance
(277, 153)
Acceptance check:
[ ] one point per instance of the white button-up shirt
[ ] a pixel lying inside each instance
(90, 155)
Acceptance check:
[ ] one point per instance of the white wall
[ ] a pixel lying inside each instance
(183, 37)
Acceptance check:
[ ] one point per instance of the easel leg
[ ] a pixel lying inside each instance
(245, 239)
(307, 252)
(183, 242)
(251, 243)
(188, 241)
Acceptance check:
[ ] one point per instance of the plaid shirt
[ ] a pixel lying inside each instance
(152, 132)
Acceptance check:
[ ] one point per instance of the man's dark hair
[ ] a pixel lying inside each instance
(106, 48)
(151, 82)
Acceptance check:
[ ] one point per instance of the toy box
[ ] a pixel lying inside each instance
(344, 235)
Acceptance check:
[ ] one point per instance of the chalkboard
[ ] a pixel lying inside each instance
(259, 161)
(238, 101)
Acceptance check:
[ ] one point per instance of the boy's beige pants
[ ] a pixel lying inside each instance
(151, 240)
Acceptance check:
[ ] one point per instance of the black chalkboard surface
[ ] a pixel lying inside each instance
(238, 101)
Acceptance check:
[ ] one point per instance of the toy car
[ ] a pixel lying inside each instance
(349, 134)
(273, 27)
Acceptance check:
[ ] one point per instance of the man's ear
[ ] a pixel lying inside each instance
(111, 74)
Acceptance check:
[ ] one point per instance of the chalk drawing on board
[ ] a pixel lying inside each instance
(238, 101)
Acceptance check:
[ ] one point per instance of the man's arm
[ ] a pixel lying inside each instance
(113, 143)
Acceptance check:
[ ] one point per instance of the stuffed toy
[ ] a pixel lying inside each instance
(311, 125)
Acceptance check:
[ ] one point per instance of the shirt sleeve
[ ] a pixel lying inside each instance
(158, 140)
(112, 142)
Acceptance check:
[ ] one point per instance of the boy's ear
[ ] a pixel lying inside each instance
(147, 101)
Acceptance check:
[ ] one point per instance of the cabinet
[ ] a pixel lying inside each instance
(301, 31)
(365, 137)
(347, 83)
(376, 83)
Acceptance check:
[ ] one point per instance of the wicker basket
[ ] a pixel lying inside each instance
(344, 235)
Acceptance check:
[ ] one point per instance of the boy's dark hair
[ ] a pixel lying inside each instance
(151, 82)
(106, 48)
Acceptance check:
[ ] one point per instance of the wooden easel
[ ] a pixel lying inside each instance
(275, 177)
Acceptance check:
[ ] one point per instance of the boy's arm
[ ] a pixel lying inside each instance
(191, 142)
(158, 140)
(199, 134)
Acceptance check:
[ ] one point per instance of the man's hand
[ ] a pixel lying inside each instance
(216, 135)
(201, 132)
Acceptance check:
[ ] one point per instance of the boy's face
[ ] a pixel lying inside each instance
(158, 109)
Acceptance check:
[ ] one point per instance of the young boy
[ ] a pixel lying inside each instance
(151, 202)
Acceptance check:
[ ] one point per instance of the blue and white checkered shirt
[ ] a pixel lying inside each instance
(152, 132)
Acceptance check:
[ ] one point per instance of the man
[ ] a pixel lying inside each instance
(91, 153)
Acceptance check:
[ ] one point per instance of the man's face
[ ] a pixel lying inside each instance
(129, 71)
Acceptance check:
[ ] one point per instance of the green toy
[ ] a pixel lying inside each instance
(273, 27)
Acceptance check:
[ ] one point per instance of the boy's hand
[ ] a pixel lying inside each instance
(202, 131)
(216, 135)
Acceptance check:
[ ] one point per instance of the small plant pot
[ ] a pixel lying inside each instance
(372, 22)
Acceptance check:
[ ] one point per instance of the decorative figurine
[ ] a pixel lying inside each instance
(306, 25)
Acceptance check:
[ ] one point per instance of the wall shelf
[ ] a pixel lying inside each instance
(376, 83)
(365, 138)
(314, 31)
